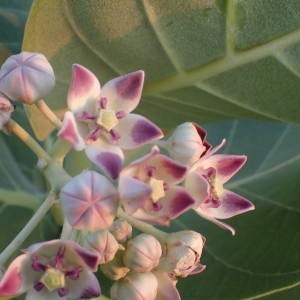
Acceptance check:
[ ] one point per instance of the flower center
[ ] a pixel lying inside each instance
(217, 188)
(53, 279)
(107, 119)
(158, 190)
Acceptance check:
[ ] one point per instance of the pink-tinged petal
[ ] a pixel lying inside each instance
(12, 283)
(90, 259)
(176, 202)
(197, 186)
(70, 132)
(133, 193)
(214, 220)
(232, 204)
(84, 89)
(166, 287)
(89, 201)
(109, 158)
(202, 133)
(198, 269)
(225, 165)
(209, 153)
(123, 93)
(136, 130)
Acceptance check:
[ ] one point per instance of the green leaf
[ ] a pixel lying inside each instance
(204, 60)
(13, 14)
(263, 258)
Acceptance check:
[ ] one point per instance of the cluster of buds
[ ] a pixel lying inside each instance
(113, 209)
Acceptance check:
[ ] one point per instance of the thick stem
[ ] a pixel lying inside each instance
(49, 114)
(29, 227)
(24, 136)
(144, 227)
(66, 231)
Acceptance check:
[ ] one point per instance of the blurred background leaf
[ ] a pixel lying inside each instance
(13, 15)
(205, 60)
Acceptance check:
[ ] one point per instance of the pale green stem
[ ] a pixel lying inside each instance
(29, 227)
(49, 114)
(24, 136)
(21, 199)
(66, 231)
(144, 227)
(59, 150)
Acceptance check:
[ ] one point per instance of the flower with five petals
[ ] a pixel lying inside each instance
(100, 119)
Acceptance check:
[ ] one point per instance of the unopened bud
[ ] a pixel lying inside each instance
(6, 108)
(115, 269)
(184, 249)
(143, 253)
(121, 230)
(103, 244)
(135, 286)
(26, 77)
(185, 144)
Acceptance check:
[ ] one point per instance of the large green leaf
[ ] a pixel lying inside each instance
(13, 14)
(263, 258)
(205, 60)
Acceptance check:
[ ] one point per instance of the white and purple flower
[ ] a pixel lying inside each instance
(205, 181)
(149, 191)
(54, 270)
(100, 120)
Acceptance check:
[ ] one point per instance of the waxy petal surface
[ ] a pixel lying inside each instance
(226, 165)
(70, 132)
(124, 92)
(133, 193)
(136, 130)
(83, 91)
(109, 158)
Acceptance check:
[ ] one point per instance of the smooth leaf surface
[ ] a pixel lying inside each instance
(263, 258)
(205, 60)
(13, 15)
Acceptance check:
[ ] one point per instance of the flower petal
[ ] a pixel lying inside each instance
(123, 93)
(197, 186)
(232, 204)
(136, 130)
(225, 165)
(12, 283)
(109, 158)
(70, 132)
(176, 202)
(133, 193)
(166, 287)
(214, 220)
(84, 89)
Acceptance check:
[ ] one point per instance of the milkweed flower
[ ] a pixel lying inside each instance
(100, 121)
(205, 181)
(26, 77)
(52, 270)
(89, 201)
(148, 189)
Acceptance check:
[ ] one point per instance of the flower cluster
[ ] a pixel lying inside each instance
(112, 210)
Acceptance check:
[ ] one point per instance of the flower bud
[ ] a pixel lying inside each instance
(135, 286)
(115, 269)
(103, 243)
(26, 77)
(6, 108)
(184, 249)
(185, 144)
(143, 253)
(121, 230)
